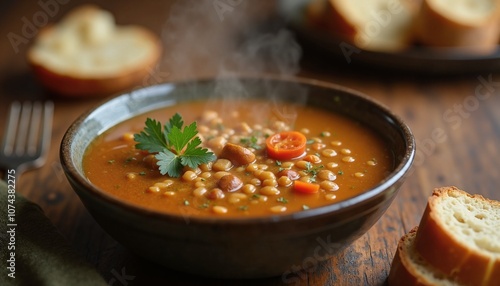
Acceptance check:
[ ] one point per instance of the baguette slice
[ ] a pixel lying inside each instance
(410, 269)
(468, 25)
(459, 234)
(86, 54)
(377, 25)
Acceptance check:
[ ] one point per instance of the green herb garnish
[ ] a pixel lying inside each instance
(243, 208)
(312, 170)
(282, 200)
(175, 146)
(255, 197)
(204, 205)
(251, 142)
(130, 159)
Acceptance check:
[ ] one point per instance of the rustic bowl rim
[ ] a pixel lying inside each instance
(399, 173)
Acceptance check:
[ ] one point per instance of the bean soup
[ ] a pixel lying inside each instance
(263, 159)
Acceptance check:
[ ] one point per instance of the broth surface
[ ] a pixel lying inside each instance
(342, 156)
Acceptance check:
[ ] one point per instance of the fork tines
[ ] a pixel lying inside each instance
(28, 128)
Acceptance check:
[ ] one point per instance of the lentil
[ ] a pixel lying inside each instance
(219, 209)
(329, 186)
(329, 153)
(336, 143)
(128, 136)
(330, 197)
(248, 189)
(348, 159)
(278, 209)
(284, 181)
(359, 174)
(169, 194)
(222, 165)
(269, 191)
(189, 176)
(199, 192)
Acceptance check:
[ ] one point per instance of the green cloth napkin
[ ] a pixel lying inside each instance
(42, 255)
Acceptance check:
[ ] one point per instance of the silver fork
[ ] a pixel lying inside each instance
(27, 137)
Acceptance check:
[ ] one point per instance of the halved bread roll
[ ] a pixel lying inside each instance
(410, 269)
(86, 54)
(459, 234)
(378, 25)
(471, 25)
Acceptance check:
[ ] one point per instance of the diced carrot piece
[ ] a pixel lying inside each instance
(305, 187)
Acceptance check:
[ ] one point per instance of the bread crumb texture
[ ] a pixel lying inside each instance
(468, 26)
(88, 43)
(469, 11)
(474, 220)
(380, 24)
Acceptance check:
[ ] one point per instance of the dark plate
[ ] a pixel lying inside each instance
(416, 59)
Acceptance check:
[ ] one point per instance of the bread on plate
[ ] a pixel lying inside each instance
(87, 54)
(470, 25)
(378, 25)
(464, 26)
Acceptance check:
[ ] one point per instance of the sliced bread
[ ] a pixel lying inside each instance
(378, 25)
(410, 269)
(459, 234)
(87, 54)
(471, 25)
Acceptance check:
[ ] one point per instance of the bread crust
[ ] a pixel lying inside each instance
(454, 258)
(340, 24)
(436, 29)
(404, 270)
(429, 27)
(369, 31)
(75, 83)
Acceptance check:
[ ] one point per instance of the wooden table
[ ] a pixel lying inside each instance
(455, 119)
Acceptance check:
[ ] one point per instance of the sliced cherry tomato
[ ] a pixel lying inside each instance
(305, 187)
(286, 145)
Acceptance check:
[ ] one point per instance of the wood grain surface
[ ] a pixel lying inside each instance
(455, 119)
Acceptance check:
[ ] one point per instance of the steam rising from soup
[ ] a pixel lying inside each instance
(223, 39)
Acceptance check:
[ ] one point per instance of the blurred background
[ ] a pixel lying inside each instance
(450, 100)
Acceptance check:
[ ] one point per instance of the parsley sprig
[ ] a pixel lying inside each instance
(175, 146)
